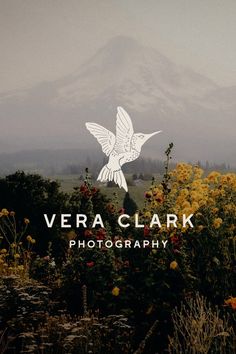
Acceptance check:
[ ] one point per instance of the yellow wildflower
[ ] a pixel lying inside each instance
(217, 223)
(232, 227)
(229, 180)
(147, 214)
(71, 235)
(194, 195)
(195, 206)
(198, 172)
(215, 210)
(228, 208)
(115, 291)
(29, 238)
(184, 192)
(5, 212)
(213, 176)
(26, 221)
(187, 211)
(173, 265)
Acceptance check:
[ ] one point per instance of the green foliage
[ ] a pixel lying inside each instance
(31, 196)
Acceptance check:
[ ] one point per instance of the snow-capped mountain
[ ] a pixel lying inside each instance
(135, 74)
(191, 109)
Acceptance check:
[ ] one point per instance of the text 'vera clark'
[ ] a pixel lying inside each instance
(124, 221)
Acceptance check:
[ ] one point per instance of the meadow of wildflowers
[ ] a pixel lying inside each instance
(178, 299)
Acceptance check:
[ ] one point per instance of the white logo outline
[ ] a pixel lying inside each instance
(121, 148)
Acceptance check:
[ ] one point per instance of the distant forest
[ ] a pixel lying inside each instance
(74, 162)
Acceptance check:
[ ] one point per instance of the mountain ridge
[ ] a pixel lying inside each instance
(191, 109)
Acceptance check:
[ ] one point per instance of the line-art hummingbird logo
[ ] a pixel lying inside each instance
(121, 148)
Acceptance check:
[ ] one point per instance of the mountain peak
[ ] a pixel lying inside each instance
(127, 71)
(153, 89)
(128, 47)
(122, 41)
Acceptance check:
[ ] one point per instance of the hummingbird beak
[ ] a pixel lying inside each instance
(148, 136)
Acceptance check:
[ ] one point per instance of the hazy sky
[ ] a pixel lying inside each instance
(46, 39)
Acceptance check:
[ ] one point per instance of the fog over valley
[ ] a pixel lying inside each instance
(194, 111)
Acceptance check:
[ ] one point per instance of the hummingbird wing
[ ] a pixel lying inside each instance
(104, 137)
(124, 131)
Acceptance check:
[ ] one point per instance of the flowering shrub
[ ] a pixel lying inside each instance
(207, 251)
(138, 283)
(16, 247)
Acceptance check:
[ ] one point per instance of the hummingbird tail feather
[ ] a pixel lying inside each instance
(106, 174)
(119, 179)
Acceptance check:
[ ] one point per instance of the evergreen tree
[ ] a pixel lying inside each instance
(129, 205)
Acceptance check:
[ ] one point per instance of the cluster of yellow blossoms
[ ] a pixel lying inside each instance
(211, 198)
(190, 193)
(5, 212)
(30, 239)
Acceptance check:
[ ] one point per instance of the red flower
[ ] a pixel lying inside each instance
(90, 264)
(146, 230)
(121, 211)
(101, 233)
(94, 190)
(111, 207)
(83, 188)
(175, 239)
(87, 194)
(88, 233)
